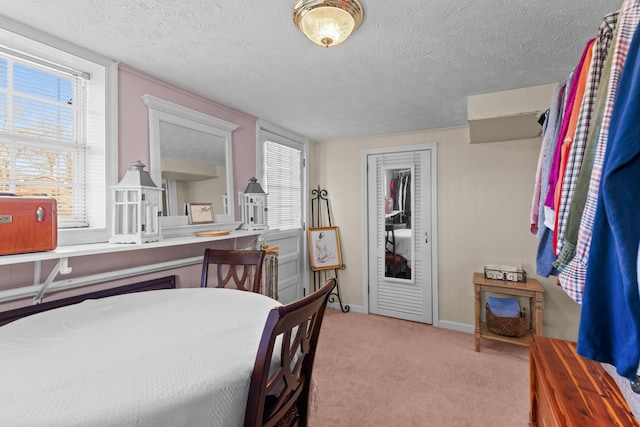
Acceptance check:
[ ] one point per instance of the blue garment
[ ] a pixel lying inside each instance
(546, 255)
(610, 320)
(552, 129)
(504, 307)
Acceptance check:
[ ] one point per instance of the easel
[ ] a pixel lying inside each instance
(321, 276)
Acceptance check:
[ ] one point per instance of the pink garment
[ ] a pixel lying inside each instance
(573, 277)
(566, 116)
(535, 203)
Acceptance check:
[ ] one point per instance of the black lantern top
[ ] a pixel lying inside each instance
(254, 187)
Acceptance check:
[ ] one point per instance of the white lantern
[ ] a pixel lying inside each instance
(225, 203)
(136, 202)
(254, 207)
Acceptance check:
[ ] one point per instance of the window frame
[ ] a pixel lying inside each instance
(290, 139)
(34, 42)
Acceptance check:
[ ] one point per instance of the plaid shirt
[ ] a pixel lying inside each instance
(576, 153)
(567, 142)
(573, 277)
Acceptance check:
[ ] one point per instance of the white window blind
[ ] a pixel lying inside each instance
(283, 166)
(43, 137)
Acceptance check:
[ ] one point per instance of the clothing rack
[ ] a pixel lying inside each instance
(402, 172)
(317, 220)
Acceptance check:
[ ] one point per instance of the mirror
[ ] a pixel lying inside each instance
(398, 224)
(190, 156)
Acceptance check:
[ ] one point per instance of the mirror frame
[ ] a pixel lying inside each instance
(161, 110)
(411, 167)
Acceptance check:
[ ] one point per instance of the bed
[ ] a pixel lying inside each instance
(169, 357)
(403, 243)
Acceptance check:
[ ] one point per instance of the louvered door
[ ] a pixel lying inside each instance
(400, 208)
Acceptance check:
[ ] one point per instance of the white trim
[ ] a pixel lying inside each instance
(49, 65)
(352, 308)
(108, 248)
(295, 142)
(49, 40)
(455, 326)
(165, 111)
(62, 255)
(78, 282)
(73, 56)
(433, 147)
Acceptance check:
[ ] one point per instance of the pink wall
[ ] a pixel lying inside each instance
(133, 124)
(133, 136)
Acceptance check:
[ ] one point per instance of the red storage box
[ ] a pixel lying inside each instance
(28, 224)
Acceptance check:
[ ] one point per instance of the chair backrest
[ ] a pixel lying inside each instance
(244, 267)
(390, 239)
(279, 395)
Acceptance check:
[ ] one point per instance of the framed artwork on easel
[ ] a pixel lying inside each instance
(324, 248)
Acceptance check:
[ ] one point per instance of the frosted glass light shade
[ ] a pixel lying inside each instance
(327, 23)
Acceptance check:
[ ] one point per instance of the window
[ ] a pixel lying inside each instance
(43, 143)
(53, 132)
(283, 184)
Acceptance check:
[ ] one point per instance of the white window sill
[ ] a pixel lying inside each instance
(63, 253)
(104, 248)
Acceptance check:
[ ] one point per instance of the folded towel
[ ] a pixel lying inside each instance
(504, 307)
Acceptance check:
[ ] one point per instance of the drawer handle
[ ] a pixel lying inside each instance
(40, 214)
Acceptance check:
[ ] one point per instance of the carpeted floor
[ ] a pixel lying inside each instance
(379, 371)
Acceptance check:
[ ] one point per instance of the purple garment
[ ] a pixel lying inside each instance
(566, 117)
(577, 268)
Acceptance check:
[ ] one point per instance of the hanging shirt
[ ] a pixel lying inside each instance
(568, 230)
(566, 116)
(628, 21)
(545, 258)
(535, 200)
(550, 140)
(568, 139)
(610, 318)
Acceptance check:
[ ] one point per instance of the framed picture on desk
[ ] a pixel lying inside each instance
(324, 248)
(200, 213)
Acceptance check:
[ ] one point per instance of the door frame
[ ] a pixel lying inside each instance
(296, 140)
(433, 147)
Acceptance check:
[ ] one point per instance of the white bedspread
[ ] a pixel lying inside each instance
(403, 243)
(178, 357)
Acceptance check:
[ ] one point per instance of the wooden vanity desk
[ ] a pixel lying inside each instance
(570, 390)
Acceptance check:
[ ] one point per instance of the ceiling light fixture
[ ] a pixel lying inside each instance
(327, 22)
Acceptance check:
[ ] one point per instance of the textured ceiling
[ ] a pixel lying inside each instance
(410, 66)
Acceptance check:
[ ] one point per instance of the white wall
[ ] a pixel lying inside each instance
(484, 201)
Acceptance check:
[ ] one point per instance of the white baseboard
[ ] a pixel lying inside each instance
(445, 324)
(354, 308)
(460, 327)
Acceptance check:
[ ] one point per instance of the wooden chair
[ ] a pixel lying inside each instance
(244, 267)
(395, 265)
(281, 398)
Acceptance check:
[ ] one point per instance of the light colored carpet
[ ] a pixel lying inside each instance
(379, 371)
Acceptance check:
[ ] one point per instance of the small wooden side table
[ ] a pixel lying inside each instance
(531, 289)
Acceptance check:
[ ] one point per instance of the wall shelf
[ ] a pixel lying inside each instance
(63, 253)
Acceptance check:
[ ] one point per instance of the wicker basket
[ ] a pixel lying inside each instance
(507, 326)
